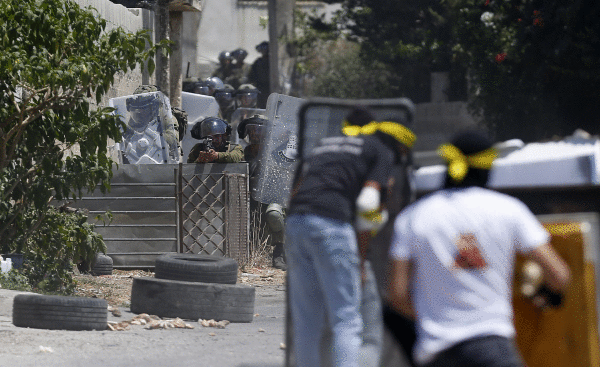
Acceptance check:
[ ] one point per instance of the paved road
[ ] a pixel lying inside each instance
(238, 345)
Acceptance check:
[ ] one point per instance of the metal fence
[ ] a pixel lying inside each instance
(189, 208)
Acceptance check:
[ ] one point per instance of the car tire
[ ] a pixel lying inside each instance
(192, 300)
(103, 265)
(59, 312)
(196, 268)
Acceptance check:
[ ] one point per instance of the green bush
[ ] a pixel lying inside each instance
(14, 280)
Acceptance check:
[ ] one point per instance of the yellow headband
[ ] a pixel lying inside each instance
(458, 163)
(396, 130)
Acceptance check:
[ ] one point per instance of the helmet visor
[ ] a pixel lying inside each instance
(254, 133)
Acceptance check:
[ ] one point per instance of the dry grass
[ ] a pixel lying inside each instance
(260, 248)
(115, 288)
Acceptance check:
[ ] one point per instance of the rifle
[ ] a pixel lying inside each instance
(207, 144)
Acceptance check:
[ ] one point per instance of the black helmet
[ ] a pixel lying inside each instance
(252, 128)
(201, 88)
(225, 56)
(247, 96)
(214, 83)
(225, 96)
(210, 126)
(262, 47)
(239, 54)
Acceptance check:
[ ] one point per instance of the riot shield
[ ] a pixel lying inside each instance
(238, 116)
(278, 152)
(149, 136)
(324, 117)
(321, 117)
(198, 107)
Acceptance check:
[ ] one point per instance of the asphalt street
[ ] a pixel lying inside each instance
(259, 343)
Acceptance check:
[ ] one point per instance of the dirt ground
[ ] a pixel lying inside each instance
(116, 288)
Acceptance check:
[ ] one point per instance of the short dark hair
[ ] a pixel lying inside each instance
(470, 142)
(360, 116)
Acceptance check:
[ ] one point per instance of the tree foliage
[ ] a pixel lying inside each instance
(533, 65)
(55, 57)
(330, 65)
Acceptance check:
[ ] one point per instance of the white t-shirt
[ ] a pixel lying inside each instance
(455, 302)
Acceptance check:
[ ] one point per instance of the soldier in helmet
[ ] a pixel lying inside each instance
(217, 131)
(252, 131)
(180, 117)
(259, 74)
(201, 87)
(225, 66)
(214, 84)
(239, 74)
(140, 137)
(225, 97)
(246, 96)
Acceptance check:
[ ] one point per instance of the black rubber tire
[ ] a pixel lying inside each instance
(192, 300)
(103, 265)
(59, 312)
(196, 268)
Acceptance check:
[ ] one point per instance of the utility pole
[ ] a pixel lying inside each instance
(281, 31)
(162, 33)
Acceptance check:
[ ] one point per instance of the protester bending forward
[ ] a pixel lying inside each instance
(453, 255)
(339, 183)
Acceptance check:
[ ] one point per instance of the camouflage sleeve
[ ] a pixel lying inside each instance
(194, 153)
(234, 154)
(171, 130)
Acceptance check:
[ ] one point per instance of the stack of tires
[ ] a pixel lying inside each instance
(192, 286)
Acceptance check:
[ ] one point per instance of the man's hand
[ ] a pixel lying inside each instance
(207, 157)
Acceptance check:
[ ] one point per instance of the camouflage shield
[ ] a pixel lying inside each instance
(149, 136)
(198, 107)
(277, 155)
(238, 116)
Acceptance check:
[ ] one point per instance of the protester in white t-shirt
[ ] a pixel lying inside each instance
(453, 255)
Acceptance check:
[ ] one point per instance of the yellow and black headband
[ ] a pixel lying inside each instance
(396, 130)
(459, 163)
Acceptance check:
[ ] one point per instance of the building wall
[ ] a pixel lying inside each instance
(131, 20)
(216, 32)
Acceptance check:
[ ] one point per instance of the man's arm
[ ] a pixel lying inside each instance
(234, 155)
(556, 271)
(399, 295)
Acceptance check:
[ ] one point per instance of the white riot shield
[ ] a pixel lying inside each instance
(240, 115)
(278, 153)
(149, 136)
(198, 107)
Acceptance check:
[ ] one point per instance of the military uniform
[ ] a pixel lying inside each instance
(234, 153)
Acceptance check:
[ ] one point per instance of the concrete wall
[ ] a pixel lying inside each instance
(216, 32)
(131, 20)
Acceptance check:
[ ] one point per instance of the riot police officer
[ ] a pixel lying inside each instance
(246, 96)
(239, 71)
(259, 74)
(214, 146)
(252, 131)
(214, 84)
(225, 97)
(225, 68)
